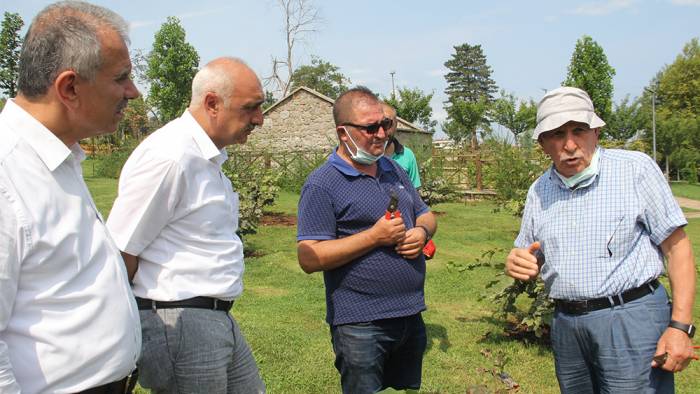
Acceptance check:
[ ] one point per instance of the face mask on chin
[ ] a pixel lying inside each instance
(361, 156)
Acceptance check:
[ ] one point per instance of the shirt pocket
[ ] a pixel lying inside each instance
(617, 238)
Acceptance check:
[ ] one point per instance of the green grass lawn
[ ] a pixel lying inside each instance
(687, 190)
(282, 309)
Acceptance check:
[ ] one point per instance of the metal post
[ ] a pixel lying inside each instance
(393, 91)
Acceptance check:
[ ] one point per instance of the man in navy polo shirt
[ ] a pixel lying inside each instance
(373, 266)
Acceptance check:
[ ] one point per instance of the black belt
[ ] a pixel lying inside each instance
(585, 306)
(196, 302)
(118, 387)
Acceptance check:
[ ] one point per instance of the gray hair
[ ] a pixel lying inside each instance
(65, 35)
(212, 78)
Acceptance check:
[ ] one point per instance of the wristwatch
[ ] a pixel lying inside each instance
(686, 328)
(428, 236)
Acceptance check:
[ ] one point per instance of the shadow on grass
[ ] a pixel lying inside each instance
(437, 333)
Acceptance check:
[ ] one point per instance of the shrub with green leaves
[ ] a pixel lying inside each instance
(256, 185)
(435, 188)
(108, 164)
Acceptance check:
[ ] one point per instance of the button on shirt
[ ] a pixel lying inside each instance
(68, 320)
(338, 201)
(603, 238)
(178, 213)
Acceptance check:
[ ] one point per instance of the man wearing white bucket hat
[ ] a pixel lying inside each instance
(597, 226)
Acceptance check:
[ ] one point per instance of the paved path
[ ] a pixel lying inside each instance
(692, 204)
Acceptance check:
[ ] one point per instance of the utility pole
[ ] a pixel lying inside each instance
(393, 90)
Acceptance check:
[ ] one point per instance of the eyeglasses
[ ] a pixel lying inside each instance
(373, 128)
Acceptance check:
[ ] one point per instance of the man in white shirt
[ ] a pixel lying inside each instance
(68, 321)
(175, 220)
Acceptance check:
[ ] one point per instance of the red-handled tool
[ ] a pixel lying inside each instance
(392, 211)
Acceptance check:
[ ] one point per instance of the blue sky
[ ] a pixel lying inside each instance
(527, 43)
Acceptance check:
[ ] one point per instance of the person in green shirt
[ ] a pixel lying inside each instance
(403, 155)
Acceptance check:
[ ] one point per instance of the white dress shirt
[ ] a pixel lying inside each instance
(68, 320)
(178, 213)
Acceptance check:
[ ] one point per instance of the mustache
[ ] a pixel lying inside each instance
(122, 105)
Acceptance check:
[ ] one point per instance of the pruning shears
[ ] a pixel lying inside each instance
(392, 211)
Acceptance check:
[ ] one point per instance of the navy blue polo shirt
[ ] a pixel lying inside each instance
(338, 201)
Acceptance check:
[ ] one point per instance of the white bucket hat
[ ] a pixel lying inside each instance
(563, 105)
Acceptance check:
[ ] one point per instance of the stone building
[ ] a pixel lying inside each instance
(303, 120)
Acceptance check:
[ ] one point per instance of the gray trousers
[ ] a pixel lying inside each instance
(188, 350)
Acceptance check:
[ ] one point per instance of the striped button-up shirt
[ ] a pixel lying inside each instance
(604, 237)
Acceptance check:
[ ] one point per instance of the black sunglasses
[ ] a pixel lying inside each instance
(373, 128)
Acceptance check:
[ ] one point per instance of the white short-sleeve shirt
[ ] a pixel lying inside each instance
(68, 320)
(178, 213)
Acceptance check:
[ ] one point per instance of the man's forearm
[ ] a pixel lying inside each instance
(427, 220)
(681, 272)
(326, 255)
(132, 264)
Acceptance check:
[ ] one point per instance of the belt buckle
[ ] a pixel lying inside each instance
(579, 307)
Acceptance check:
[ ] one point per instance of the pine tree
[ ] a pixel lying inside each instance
(469, 78)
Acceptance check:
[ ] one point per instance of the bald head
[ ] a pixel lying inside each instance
(345, 105)
(220, 76)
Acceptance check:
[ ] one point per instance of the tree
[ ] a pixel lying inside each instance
(414, 106)
(516, 117)
(320, 76)
(589, 70)
(624, 121)
(10, 45)
(469, 78)
(465, 118)
(679, 83)
(269, 100)
(300, 18)
(171, 66)
(135, 121)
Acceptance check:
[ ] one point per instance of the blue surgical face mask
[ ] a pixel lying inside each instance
(585, 175)
(361, 156)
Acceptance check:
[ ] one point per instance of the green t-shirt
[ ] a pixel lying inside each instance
(407, 160)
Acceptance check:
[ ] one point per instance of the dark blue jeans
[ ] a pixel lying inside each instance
(375, 355)
(610, 350)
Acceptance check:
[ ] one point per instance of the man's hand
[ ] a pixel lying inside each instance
(387, 232)
(412, 245)
(673, 351)
(522, 263)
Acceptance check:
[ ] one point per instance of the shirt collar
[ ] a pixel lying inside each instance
(398, 148)
(203, 141)
(347, 169)
(51, 150)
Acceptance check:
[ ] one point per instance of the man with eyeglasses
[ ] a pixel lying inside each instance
(363, 224)
(597, 226)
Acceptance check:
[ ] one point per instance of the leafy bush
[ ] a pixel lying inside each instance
(109, 162)
(256, 185)
(435, 188)
(512, 172)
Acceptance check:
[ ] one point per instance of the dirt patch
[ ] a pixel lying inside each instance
(253, 253)
(278, 219)
(439, 213)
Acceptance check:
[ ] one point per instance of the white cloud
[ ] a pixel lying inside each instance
(139, 24)
(686, 2)
(603, 7)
